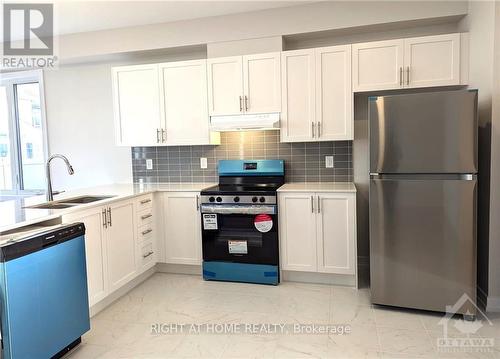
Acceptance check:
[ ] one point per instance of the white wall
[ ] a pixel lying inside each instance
(321, 16)
(80, 126)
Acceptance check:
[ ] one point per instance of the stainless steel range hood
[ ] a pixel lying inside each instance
(266, 121)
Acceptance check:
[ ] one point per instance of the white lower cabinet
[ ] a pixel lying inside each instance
(120, 244)
(182, 224)
(318, 232)
(95, 251)
(110, 247)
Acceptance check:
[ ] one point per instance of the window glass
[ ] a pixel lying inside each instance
(31, 140)
(5, 143)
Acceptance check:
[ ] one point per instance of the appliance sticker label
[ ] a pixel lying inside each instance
(237, 247)
(209, 221)
(263, 223)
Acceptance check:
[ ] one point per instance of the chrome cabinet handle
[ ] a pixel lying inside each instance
(197, 202)
(401, 76)
(246, 103)
(163, 135)
(147, 255)
(408, 75)
(109, 219)
(144, 201)
(146, 216)
(319, 129)
(312, 128)
(104, 218)
(319, 205)
(241, 104)
(312, 204)
(157, 135)
(147, 231)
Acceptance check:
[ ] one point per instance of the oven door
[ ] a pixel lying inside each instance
(240, 233)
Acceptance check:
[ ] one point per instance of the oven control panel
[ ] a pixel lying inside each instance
(238, 199)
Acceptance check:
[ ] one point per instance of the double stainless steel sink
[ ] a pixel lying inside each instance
(69, 202)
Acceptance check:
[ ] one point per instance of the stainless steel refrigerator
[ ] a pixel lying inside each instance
(423, 165)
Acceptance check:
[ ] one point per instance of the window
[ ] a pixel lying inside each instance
(23, 140)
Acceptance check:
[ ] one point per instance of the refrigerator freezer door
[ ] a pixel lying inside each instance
(423, 242)
(424, 133)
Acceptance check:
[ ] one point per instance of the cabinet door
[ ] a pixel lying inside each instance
(336, 233)
(182, 228)
(334, 99)
(298, 98)
(120, 244)
(225, 86)
(297, 232)
(432, 61)
(184, 102)
(262, 83)
(95, 251)
(378, 65)
(136, 98)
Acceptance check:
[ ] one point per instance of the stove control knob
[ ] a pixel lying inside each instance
(219, 199)
(211, 199)
(262, 199)
(254, 199)
(236, 199)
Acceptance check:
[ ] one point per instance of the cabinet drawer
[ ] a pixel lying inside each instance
(145, 232)
(144, 217)
(147, 253)
(144, 202)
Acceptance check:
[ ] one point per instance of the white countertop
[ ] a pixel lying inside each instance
(14, 215)
(342, 187)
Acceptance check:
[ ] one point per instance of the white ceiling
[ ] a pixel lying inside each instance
(83, 16)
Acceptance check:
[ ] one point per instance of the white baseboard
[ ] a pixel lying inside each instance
(178, 268)
(98, 307)
(318, 278)
(493, 304)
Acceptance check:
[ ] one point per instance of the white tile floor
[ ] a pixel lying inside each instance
(124, 329)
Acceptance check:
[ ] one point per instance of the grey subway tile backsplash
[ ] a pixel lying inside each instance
(304, 161)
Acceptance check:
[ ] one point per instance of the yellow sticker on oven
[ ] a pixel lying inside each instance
(237, 247)
(263, 223)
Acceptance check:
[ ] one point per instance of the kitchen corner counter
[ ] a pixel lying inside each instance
(339, 187)
(13, 213)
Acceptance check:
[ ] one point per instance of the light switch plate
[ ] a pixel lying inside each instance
(329, 161)
(203, 162)
(149, 164)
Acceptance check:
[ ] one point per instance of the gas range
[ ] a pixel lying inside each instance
(240, 222)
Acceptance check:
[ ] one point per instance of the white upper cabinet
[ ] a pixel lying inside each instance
(298, 96)
(432, 61)
(184, 102)
(136, 98)
(162, 104)
(262, 83)
(317, 99)
(409, 63)
(244, 84)
(378, 65)
(334, 98)
(225, 85)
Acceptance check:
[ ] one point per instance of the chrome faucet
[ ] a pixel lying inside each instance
(50, 194)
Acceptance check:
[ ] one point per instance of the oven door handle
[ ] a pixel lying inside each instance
(232, 209)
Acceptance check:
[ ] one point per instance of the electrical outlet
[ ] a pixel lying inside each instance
(149, 164)
(329, 161)
(203, 162)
